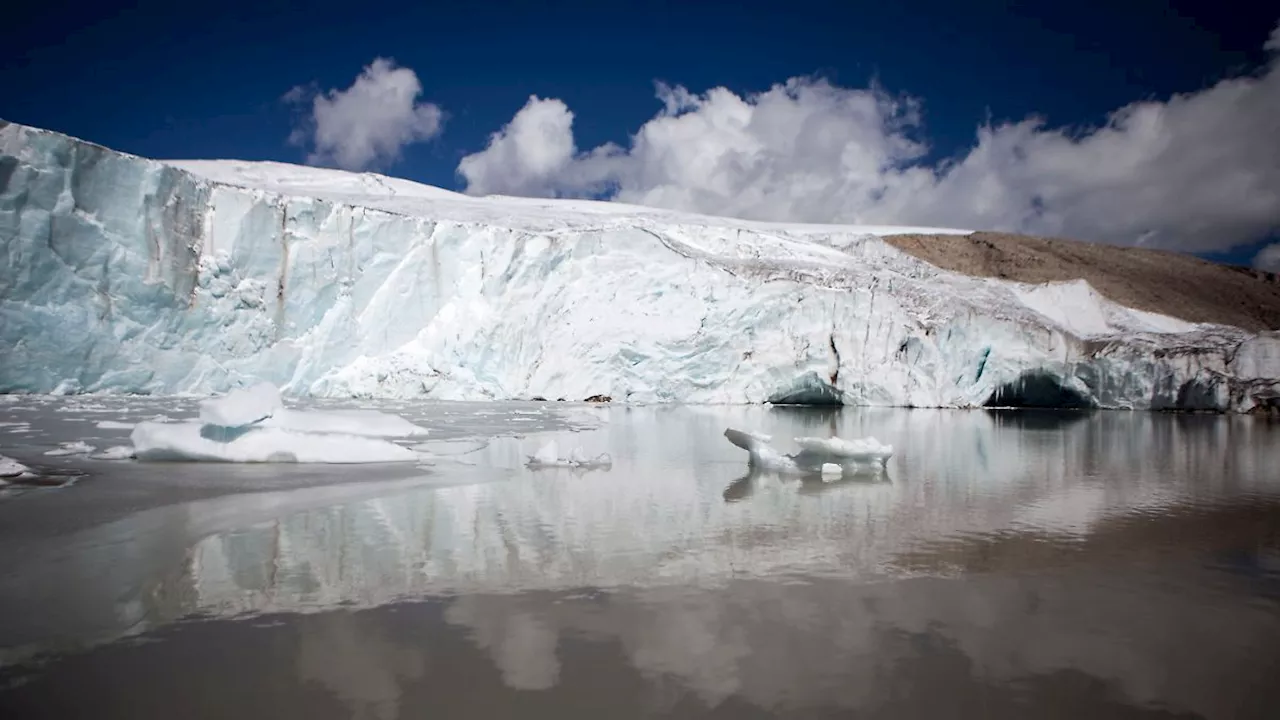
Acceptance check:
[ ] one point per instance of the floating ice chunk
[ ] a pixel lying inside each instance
(815, 453)
(114, 425)
(80, 408)
(72, 448)
(10, 468)
(115, 452)
(549, 456)
(369, 423)
(261, 405)
(445, 448)
(242, 406)
(252, 425)
(193, 441)
(861, 450)
(747, 439)
(762, 455)
(603, 460)
(832, 469)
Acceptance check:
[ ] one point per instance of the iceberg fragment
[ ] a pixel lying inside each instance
(866, 449)
(10, 468)
(251, 425)
(71, 448)
(194, 442)
(242, 406)
(368, 423)
(760, 453)
(816, 455)
(115, 452)
(548, 456)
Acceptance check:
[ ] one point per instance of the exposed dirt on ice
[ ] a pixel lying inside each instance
(1170, 283)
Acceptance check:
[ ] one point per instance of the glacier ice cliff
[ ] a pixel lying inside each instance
(122, 274)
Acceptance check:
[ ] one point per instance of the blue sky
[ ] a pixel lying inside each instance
(175, 80)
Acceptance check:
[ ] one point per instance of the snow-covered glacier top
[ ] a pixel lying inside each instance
(132, 275)
(405, 197)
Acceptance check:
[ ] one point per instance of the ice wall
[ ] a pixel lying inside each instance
(125, 274)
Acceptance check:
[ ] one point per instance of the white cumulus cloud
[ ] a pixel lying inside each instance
(535, 155)
(527, 154)
(369, 123)
(1198, 171)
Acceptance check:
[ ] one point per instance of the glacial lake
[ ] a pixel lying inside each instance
(1004, 565)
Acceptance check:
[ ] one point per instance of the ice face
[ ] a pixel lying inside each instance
(129, 275)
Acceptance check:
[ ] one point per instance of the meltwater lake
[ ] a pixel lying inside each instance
(1004, 565)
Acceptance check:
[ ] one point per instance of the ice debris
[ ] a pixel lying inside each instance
(242, 406)
(860, 450)
(193, 442)
(10, 468)
(366, 423)
(115, 452)
(72, 448)
(548, 456)
(825, 456)
(251, 425)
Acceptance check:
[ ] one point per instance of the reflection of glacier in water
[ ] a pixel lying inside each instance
(1021, 542)
(660, 517)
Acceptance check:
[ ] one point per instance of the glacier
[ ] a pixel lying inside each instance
(129, 275)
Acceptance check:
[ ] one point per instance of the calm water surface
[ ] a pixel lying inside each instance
(1005, 565)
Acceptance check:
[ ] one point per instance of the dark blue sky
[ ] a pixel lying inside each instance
(180, 80)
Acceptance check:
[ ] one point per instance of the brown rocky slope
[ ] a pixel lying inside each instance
(1158, 281)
